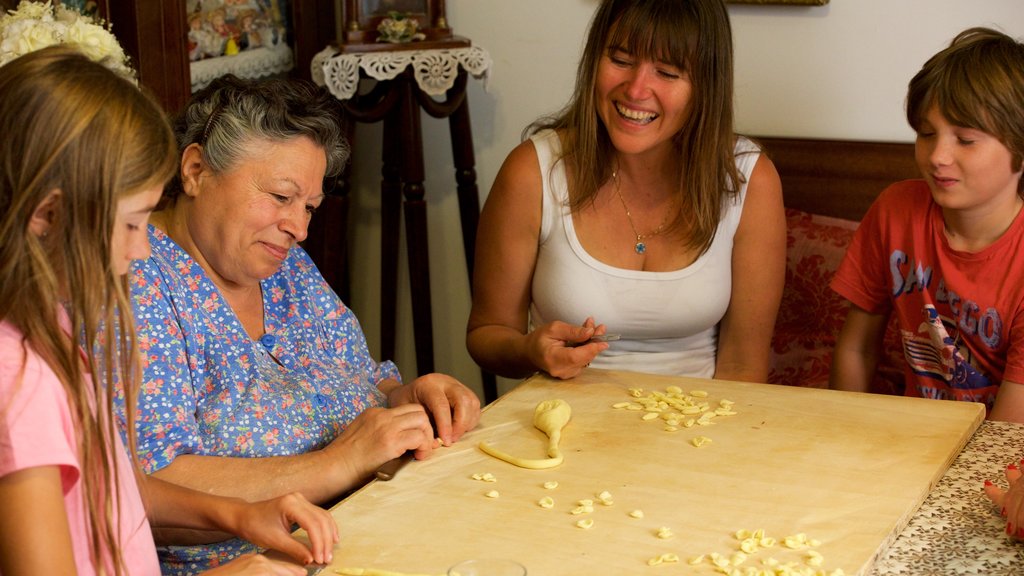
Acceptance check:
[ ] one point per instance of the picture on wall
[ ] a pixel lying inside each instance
(227, 27)
(248, 38)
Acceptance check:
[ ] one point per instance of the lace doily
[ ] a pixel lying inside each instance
(435, 70)
(254, 63)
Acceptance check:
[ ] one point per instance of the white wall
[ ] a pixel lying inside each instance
(834, 71)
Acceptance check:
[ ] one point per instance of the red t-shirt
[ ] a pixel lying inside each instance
(960, 314)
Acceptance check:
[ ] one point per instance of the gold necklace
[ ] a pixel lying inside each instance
(640, 247)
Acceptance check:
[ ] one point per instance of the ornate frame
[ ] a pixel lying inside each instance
(155, 32)
(359, 19)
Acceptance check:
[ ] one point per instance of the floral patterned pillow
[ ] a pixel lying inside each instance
(811, 314)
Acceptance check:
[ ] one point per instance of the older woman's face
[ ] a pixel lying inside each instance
(244, 221)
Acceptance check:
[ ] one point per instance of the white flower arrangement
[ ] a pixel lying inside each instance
(35, 25)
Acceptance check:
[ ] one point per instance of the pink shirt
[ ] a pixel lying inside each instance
(36, 430)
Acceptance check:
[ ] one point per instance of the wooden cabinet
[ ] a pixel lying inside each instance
(155, 34)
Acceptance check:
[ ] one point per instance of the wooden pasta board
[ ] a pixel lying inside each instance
(846, 469)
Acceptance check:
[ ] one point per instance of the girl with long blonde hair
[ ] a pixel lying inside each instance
(83, 162)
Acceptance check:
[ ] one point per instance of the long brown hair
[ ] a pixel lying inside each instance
(976, 82)
(693, 35)
(72, 125)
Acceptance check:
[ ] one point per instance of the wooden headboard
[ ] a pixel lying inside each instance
(838, 178)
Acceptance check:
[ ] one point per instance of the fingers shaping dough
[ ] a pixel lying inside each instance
(549, 417)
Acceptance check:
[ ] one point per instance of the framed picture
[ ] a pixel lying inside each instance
(794, 2)
(229, 27)
(247, 38)
(361, 19)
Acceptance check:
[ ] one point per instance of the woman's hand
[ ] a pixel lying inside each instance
(376, 436)
(1010, 502)
(561, 350)
(454, 408)
(257, 565)
(269, 524)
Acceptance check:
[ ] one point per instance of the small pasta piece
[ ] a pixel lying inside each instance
(700, 441)
(636, 514)
(581, 509)
(749, 546)
(550, 485)
(492, 494)
(546, 502)
(586, 523)
(814, 559)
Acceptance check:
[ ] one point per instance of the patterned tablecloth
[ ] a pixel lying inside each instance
(957, 530)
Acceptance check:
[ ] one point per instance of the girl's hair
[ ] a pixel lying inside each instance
(231, 114)
(72, 125)
(977, 82)
(693, 35)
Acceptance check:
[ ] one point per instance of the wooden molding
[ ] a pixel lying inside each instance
(153, 33)
(838, 178)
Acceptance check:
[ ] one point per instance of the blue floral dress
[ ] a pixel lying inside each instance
(210, 389)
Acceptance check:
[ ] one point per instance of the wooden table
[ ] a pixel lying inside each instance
(848, 470)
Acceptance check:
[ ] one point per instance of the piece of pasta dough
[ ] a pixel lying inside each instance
(550, 417)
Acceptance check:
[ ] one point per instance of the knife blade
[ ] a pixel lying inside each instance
(387, 470)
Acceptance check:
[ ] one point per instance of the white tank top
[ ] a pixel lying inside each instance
(668, 320)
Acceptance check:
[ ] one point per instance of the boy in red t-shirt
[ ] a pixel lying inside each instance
(941, 253)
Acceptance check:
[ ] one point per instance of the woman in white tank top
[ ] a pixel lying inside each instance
(635, 211)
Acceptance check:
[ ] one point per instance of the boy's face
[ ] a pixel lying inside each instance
(966, 168)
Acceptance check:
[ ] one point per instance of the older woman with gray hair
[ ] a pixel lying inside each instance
(257, 379)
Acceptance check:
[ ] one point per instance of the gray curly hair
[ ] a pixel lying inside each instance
(231, 112)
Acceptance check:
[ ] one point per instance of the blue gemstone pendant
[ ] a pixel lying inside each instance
(640, 247)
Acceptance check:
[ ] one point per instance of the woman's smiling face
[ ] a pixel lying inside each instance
(642, 103)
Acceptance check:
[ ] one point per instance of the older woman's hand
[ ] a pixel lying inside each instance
(376, 436)
(454, 408)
